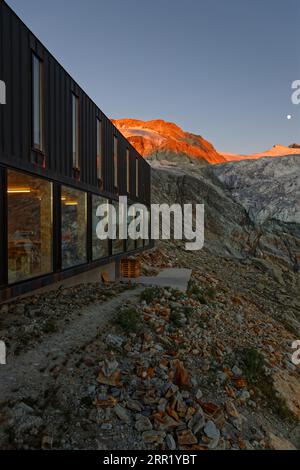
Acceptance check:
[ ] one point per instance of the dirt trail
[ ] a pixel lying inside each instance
(29, 375)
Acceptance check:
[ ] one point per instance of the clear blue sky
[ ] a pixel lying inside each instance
(221, 69)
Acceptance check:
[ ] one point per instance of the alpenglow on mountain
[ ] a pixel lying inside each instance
(160, 140)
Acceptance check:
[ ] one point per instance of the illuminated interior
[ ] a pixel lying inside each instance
(29, 201)
(30, 228)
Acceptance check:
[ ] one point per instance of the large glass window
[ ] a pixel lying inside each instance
(117, 244)
(73, 227)
(99, 149)
(115, 161)
(37, 104)
(100, 247)
(29, 203)
(75, 131)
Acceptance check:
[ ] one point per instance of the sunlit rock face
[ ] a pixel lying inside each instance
(158, 140)
(161, 140)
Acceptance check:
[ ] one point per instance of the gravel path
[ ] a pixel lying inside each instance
(29, 375)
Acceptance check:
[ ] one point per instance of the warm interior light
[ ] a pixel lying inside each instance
(18, 190)
(71, 203)
(63, 198)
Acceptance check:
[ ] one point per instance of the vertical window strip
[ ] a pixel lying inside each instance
(115, 161)
(127, 170)
(99, 149)
(75, 130)
(137, 177)
(37, 103)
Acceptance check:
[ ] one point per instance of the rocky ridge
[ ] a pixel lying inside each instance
(160, 140)
(276, 151)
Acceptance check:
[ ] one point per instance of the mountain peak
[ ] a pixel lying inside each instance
(277, 150)
(159, 139)
(294, 146)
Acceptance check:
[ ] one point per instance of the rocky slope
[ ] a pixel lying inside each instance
(269, 192)
(161, 140)
(251, 213)
(156, 368)
(267, 189)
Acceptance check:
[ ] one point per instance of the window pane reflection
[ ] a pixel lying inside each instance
(73, 227)
(29, 204)
(100, 247)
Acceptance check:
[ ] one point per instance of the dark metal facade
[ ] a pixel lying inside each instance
(17, 44)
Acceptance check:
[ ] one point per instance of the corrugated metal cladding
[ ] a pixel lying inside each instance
(17, 44)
